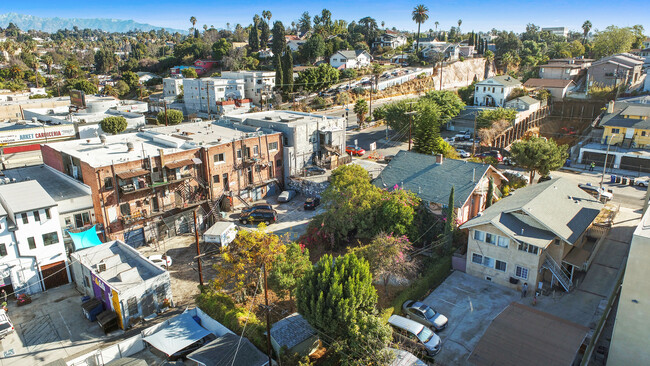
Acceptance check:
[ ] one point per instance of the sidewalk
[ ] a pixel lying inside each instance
(598, 170)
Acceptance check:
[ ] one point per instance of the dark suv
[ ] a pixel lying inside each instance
(257, 206)
(265, 216)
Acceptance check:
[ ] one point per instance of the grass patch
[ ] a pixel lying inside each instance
(435, 272)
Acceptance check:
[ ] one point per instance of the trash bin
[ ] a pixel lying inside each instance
(618, 179)
(632, 181)
(624, 180)
(567, 163)
(612, 179)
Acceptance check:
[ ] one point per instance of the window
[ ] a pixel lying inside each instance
(238, 153)
(278, 163)
(503, 242)
(521, 272)
(528, 248)
(479, 235)
(500, 266)
(3, 250)
(270, 169)
(219, 158)
(68, 221)
(256, 150)
(488, 262)
(81, 219)
(47, 214)
(108, 183)
(616, 130)
(86, 281)
(24, 217)
(132, 305)
(31, 243)
(51, 238)
(490, 238)
(37, 216)
(642, 133)
(542, 70)
(477, 258)
(215, 178)
(125, 209)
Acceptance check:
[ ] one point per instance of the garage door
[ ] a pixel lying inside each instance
(54, 275)
(134, 238)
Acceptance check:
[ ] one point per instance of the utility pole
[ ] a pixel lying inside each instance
(410, 114)
(474, 139)
(198, 251)
(208, 92)
(166, 119)
(602, 177)
(268, 320)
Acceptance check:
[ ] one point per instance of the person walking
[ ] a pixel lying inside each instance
(524, 289)
(592, 166)
(4, 295)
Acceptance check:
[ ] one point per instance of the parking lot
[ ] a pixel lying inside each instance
(50, 328)
(470, 304)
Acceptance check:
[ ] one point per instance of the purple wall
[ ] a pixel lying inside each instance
(98, 286)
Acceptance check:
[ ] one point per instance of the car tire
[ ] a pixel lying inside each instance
(641, 185)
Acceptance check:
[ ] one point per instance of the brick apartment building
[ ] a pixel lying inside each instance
(146, 184)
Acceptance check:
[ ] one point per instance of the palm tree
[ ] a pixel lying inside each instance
(193, 21)
(437, 23)
(48, 60)
(586, 27)
(266, 14)
(383, 24)
(460, 21)
(420, 15)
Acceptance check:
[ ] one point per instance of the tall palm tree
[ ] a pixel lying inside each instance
(437, 23)
(193, 21)
(266, 14)
(420, 15)
(586, 27)
(460, 21)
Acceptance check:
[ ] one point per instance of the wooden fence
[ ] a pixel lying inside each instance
(518, 130)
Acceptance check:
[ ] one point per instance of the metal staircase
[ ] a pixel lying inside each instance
(558, 272)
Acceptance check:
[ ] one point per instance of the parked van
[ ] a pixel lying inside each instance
(415, 334)
(6, 326)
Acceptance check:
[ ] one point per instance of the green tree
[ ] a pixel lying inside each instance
(450, 221)
(304, 23)
(507, 42)
(287, 72)
(612, 40)
(84, 85)
(189, 73)
(420, 15)
(576, 49)
(104, 60)
(288, 268)
(220, 48)
(449, 103)
(173, 117)
(265, 33)
(486, 117)
(253, 36)
(538, 154)
(121, 88)
(113, 124)
(277, 62)
(490, 194)
(426, 136)
(318, 78)
(314, 48)
(279, 42)
(193, 21)
(338, 299)
(586, 27)
(361, 109)
(131, 79)
(397, 211)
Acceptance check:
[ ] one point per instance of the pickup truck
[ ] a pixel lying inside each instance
(6, 326)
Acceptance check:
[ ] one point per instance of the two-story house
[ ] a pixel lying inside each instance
(620, 69)
(494, 92)
(432, 177)
(391, 40)
(350, 59)
(536, 235)
(626, 124)
(32, 253)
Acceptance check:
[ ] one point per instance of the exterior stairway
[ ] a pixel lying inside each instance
(560, 274)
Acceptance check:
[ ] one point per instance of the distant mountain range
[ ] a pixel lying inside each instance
(51, 25)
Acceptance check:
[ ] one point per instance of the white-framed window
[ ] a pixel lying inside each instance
(256, 150)
(488, 262)
(238, 153)
(524, 247)
(477, 258)
(503, 242)
(273, 146)
(500, 266)
(521, 272)
(490, 238)
(219, 158)
(479, 235)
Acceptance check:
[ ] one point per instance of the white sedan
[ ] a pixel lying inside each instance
(464, 154)
(163, 261)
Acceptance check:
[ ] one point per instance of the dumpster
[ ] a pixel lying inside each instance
(107, 320)
(612, 178)
(92, 308)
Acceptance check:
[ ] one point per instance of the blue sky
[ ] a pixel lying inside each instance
(476, 15)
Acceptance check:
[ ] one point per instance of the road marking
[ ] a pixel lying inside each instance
(66, 325)
(448, 302)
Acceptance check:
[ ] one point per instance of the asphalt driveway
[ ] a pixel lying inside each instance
(470, 304)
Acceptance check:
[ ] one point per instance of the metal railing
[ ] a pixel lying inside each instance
(558, 271)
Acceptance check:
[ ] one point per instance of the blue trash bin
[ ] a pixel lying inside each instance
(612, 179)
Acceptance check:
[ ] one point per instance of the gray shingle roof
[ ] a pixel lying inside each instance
(528, 100)
(504, 80)
(573, 210)
(292, 331)
(616, 119)
(432, 182)
(351, 54)
(222, 350)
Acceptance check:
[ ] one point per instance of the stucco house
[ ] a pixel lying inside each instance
(557, 87)
(622, 68)
(520, 240)
(524, 103)
(350, 59)
(389, 40)
(493, 92)
(431, 178)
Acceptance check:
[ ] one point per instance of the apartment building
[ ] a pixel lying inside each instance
(257, 84)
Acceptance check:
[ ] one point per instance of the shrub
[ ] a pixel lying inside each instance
(113, 124)
(173, 116)
(432, 277)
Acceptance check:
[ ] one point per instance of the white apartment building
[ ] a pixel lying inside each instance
(204, 95)
(558, 31)
(32, 253)
(172, 87)
(256, 83)
(494, 91)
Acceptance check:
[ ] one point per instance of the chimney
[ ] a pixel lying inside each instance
(610, 107)
(439, 159)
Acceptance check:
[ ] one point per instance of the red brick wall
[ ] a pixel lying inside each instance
(52, 158)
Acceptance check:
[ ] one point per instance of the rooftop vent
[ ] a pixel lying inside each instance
(102, 138)
(129, 146)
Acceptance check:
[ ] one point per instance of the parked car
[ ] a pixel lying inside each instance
(6, 326)
(642, 181)
(544, 178)
(464, 154)
(495, 154)
(463, 136)
(388, 158)
(415, 335)
(311, 203)
(257, 206)
(424, 314)
(286, 196)
(266, 216)
(355, 150)
(160, 260)
(314, 170)
(593, 190)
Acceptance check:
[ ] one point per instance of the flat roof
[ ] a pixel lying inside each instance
(209, 132)
(58, 185)
(285, 117)
(124, 266)
(25, 196)
(521, 335)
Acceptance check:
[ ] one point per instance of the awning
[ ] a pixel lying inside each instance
(181, 332)
(184, 162)
(132, 173)
(85, 239)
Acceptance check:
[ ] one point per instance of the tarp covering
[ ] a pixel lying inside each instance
(181, 332)
(85, 239)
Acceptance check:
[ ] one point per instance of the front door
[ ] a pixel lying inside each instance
(629, 133)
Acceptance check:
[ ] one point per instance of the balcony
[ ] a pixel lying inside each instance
(130, 188)
(134, 217)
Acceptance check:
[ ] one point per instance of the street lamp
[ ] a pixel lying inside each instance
(602, 177)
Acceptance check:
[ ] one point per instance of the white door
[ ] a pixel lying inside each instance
(629, 133)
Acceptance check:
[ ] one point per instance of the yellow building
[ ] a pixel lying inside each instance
(626, 125)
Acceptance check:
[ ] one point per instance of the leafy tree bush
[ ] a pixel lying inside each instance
(189, 73)
(113, 124)
(174, 117)
(538, 154)
(288, 268)
(431, 276)
(131, 79)
(318, 78)
(348, 74)
(361, 109)
(84, 85)
(220, 48)
(486, 117)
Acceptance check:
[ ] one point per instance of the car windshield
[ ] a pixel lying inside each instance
(429, 313)
(425, 335)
